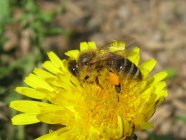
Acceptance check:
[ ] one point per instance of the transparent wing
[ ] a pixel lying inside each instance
(127, 42)
(107, 55)
(111, 49)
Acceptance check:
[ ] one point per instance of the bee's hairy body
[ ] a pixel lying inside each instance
(91, 65)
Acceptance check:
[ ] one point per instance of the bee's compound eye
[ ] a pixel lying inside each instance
(73, 67)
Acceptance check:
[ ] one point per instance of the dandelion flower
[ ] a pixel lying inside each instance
(92, 101)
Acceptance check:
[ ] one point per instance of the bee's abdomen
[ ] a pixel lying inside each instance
(124, 65)
(135, 72)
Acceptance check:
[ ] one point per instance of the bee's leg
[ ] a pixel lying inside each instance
(97, 82)
(86, 77)
(118, 88)
(84, 80)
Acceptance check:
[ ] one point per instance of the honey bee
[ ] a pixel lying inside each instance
(92, 64)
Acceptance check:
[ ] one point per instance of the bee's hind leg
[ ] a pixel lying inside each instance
(97, 82)
(118, 88)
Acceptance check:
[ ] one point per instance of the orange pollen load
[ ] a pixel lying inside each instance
(114, 78)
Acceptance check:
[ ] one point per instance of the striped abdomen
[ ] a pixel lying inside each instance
(121, 64)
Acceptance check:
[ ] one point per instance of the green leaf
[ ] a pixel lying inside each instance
(171, 73)
(31, 6)
(4, 71)
(155, 136)
(181, 118)
(5, 11)
(46, 16)
(54, 31)
(2, 90)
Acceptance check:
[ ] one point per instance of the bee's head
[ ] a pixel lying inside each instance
(73, 67)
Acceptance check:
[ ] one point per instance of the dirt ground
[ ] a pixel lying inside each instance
(159, 27)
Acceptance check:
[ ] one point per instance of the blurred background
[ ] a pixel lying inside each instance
(29, 29)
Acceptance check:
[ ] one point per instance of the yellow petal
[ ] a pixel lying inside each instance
(29, 106)
(92, 45)
(55, 59)
(160, 76)
(66, 82)
(135, 58)
(24, 119)
(159, 101)
(61, 134)
(160, 86)
(49, 94)
(146, 125)
(162, 93)
(73, 54)
(64, 67)
(64, 117)
(147, 92)
(51, 68)
(43, 74)
(120, 127)
(36, 82)
(50, 136)
(147, 67)
(149, 113)
(30, 92)
(50, 118)
(84, 46)
(128, 128)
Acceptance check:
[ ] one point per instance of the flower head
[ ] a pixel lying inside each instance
(94, 94)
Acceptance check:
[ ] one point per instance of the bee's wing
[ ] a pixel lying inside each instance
(128, 42)
(125, 53)
(120, 46)
(115, 47)
(115, 43)
(107, 55)
(119, 51)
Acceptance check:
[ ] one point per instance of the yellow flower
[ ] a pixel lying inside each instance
(90, 110)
